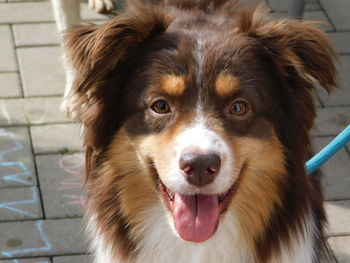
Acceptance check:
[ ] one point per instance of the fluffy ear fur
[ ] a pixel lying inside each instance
(96, 50)
(299, 44)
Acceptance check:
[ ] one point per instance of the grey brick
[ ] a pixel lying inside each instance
(26, 12)
(7, 54)
(41, 71)
(311, 16)
(28, 260)
(319, 16)
(42, 238)
(38, 12)
(36, 34)
(341, 97)
(20, 203)
(88, 14)
(338, 217)
(341, 40)
(338, 11)
(9, 85)
(31, 111)
(27, 0)
(16, 160)
(61, 184)
(341, 248)
(72, 259)
(56, 137)
(281, 5)
(331, 121)
(336, 179)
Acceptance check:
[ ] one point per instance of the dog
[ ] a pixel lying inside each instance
(196, 117)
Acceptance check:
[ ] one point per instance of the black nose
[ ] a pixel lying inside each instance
(200, 169)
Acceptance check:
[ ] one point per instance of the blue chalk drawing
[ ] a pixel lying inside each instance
(34, 200)
(47, 245)
(17, 177)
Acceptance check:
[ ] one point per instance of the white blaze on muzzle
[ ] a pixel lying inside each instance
(202, 140)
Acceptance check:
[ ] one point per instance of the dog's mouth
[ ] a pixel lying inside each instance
(196, 217)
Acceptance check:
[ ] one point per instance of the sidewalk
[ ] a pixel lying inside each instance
(40, 160)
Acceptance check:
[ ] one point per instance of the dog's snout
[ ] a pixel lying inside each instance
(200, 169)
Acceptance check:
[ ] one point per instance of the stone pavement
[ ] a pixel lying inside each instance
(40, 164)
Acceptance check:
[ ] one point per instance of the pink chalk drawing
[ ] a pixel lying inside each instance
(76, 199)
(73, 165)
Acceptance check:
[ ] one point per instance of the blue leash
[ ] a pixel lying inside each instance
(327, 152)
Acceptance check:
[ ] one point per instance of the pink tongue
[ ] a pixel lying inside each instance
(196, 217)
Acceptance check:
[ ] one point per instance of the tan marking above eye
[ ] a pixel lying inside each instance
(226, 84)
(173, 85)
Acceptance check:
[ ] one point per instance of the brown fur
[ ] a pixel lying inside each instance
(121, 64)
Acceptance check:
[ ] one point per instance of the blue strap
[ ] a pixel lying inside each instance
(327, 152)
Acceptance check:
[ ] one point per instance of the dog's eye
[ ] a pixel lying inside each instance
(239, 108)
(160, 107)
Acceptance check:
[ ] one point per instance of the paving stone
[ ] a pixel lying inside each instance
(27, 0)
(42, 238)
(31, 111)
(9, 85)
(34, 12)
(319, 16)
(16, 160)
(311, 16)
(38, 12)
(88, 14)
(7, 54)
(336, 179)
(61, 184)
(341, 248)
(41, 71)
(331, 121)
(338, 12)
(20, 203)
(36, 34)
(340, 97)
(318, 103)
(281, 5)
(72, 259)
(28, 260)
(341, 40)
(56, 138)
(338, 213)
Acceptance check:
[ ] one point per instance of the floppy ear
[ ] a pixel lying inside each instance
(299, 44)
(95, 51)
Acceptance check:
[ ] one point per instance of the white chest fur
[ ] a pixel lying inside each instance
(159, 244)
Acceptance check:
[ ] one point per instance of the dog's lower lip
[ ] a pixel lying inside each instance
(166, 193)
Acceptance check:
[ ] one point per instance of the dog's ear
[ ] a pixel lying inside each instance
(95, 51)
(298, 44)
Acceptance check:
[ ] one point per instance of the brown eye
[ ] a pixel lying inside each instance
(160, 107)
(239, 108)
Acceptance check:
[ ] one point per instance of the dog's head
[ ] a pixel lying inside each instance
(201, 113)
